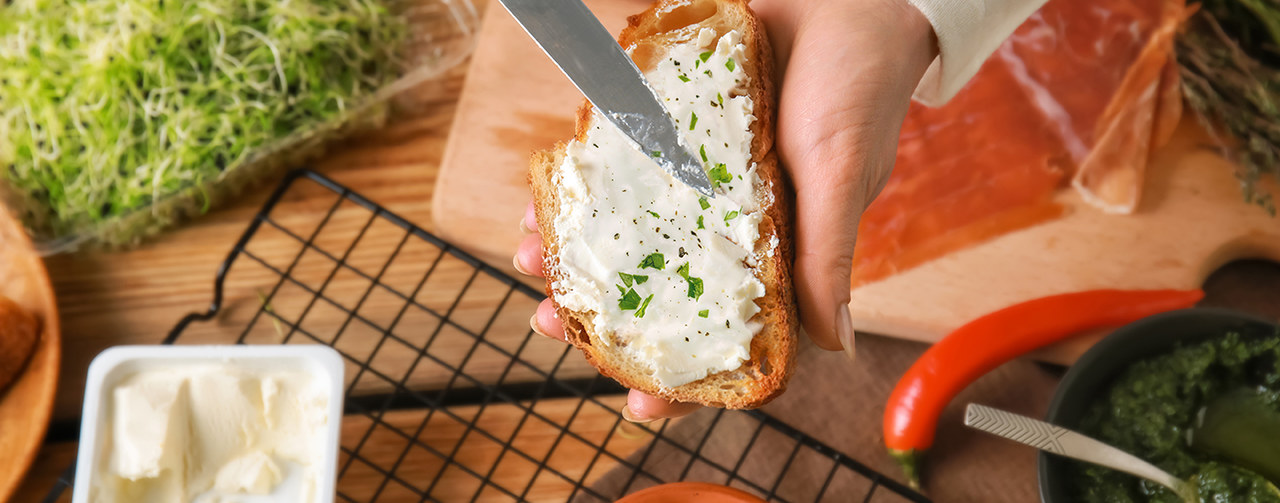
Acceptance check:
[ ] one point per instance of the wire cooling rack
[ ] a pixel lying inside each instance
(450, 396)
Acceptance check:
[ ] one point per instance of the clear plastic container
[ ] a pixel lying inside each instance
(441, 35)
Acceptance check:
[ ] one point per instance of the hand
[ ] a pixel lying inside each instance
(847, 70)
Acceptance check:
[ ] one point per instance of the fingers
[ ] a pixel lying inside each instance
(545, 321)
(642, 408)
(529, 223)
(528, 259)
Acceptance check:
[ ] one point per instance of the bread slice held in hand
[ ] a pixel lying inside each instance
(679, 296)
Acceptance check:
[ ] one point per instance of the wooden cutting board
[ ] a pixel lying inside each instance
(1190, 222)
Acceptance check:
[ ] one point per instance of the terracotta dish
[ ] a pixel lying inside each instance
(27, 403)
(682, 492)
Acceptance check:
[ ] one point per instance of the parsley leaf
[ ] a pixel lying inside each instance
(719, 174)
(626, 278)
(720, 99)
(645, 305)
(705, 56)
(703, 152)
(695, 287)
(654, 261)
(655, 214)
(695, 284)
(629, 301)
(656, 153)
(700, 226)
(693, 120)
(639, 279)
(729, 64)
(702, 201)
(730, 216)
(683, 78)
(704, 313)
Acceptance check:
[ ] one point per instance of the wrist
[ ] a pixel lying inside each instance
(919, 36)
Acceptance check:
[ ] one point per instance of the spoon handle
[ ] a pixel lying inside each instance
(1064, 442)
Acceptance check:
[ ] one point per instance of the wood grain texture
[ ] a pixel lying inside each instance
(1191, 219)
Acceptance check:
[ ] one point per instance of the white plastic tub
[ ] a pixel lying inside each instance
(321, 363)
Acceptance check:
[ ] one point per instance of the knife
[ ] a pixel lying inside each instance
(585, 51)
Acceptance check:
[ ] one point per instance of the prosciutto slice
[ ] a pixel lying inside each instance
(1082, 91)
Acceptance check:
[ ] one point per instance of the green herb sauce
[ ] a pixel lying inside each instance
(1149, 410)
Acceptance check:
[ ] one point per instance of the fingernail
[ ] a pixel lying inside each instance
(533, 324)
(515, 262)
(844, 330)
(626, 414)
(524, 227)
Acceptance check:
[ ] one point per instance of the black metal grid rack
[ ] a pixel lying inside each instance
(450, 396)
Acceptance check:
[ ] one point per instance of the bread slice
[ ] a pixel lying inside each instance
(773, 347)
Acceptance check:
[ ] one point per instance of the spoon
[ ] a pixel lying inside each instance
(1065, 442)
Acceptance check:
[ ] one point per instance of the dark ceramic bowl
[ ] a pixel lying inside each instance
(1095, 370)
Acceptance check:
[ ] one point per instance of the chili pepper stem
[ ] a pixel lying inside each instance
(909, 460)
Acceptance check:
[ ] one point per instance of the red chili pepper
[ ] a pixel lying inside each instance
(946, 368)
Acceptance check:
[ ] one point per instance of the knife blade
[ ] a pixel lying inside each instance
(585, 51)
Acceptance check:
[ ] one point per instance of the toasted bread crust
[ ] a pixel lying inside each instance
(773, 348)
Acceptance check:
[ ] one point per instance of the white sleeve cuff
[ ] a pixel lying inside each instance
(968, 32)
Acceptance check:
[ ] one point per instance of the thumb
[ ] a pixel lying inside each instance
(839, 150)
(834, 184)
(840, 112)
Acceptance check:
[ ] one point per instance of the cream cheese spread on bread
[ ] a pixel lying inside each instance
(668, 276)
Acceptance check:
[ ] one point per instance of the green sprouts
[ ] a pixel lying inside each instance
(109, 106)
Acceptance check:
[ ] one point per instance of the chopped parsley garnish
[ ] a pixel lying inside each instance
(695, 284)
(645, 305)
(654, 261)
(719, 174)
(656, 153)
(700, 226)
(655, 214)
(730, 65)
(629, 301)
(720, 99)
(730, 216)
(702, 201)
(705, 56)
(708, 72)
(704, 313)
(695, 288)
(627, 279)
(683, 78)
(702, 150)
(693, 120)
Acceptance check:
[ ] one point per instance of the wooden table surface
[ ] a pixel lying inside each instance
(136, 296)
